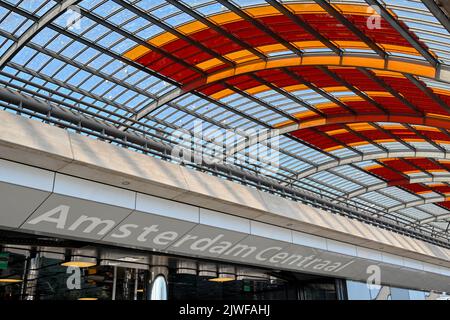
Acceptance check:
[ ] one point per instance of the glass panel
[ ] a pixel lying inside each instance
(399, 294)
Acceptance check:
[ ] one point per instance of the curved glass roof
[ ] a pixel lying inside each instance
(351, 97)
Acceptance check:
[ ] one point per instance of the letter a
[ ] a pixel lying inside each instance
(60, 221)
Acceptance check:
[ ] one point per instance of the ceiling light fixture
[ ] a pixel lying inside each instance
(80, 260)
(79, 264)
(225, 274)
(225, 279)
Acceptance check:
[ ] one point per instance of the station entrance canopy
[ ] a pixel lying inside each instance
(358, 91)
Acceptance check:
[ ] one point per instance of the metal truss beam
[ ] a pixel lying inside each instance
(230, 6)
(286, 94)
(146, 143)
(328, 7)
(384, 185)
(374, 156)
(428, 92)
(304, 25)
(104, 126)
(395, 93)
(397, 138)
(180, 5)
(428, 140)
(62, 95)
(266, 105)
(91, 123)
(318, 90)
(416, 203)
(428, 177)
(352, 88)
(438, 13)
(91, 44)
(141, 42)
(144, 15)
(442, 217)
(176, 93)
(62, 84)
(381, 148)
(429, 120)
(252, 119)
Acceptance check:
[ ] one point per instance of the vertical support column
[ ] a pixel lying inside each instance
(341, 289)
(24, 277)
(136, 283)
(114, 289)
(31, 275)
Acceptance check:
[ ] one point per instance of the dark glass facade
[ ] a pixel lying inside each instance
(75, 271)
(283, 286)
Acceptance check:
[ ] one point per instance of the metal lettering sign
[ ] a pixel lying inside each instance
(81, 219)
